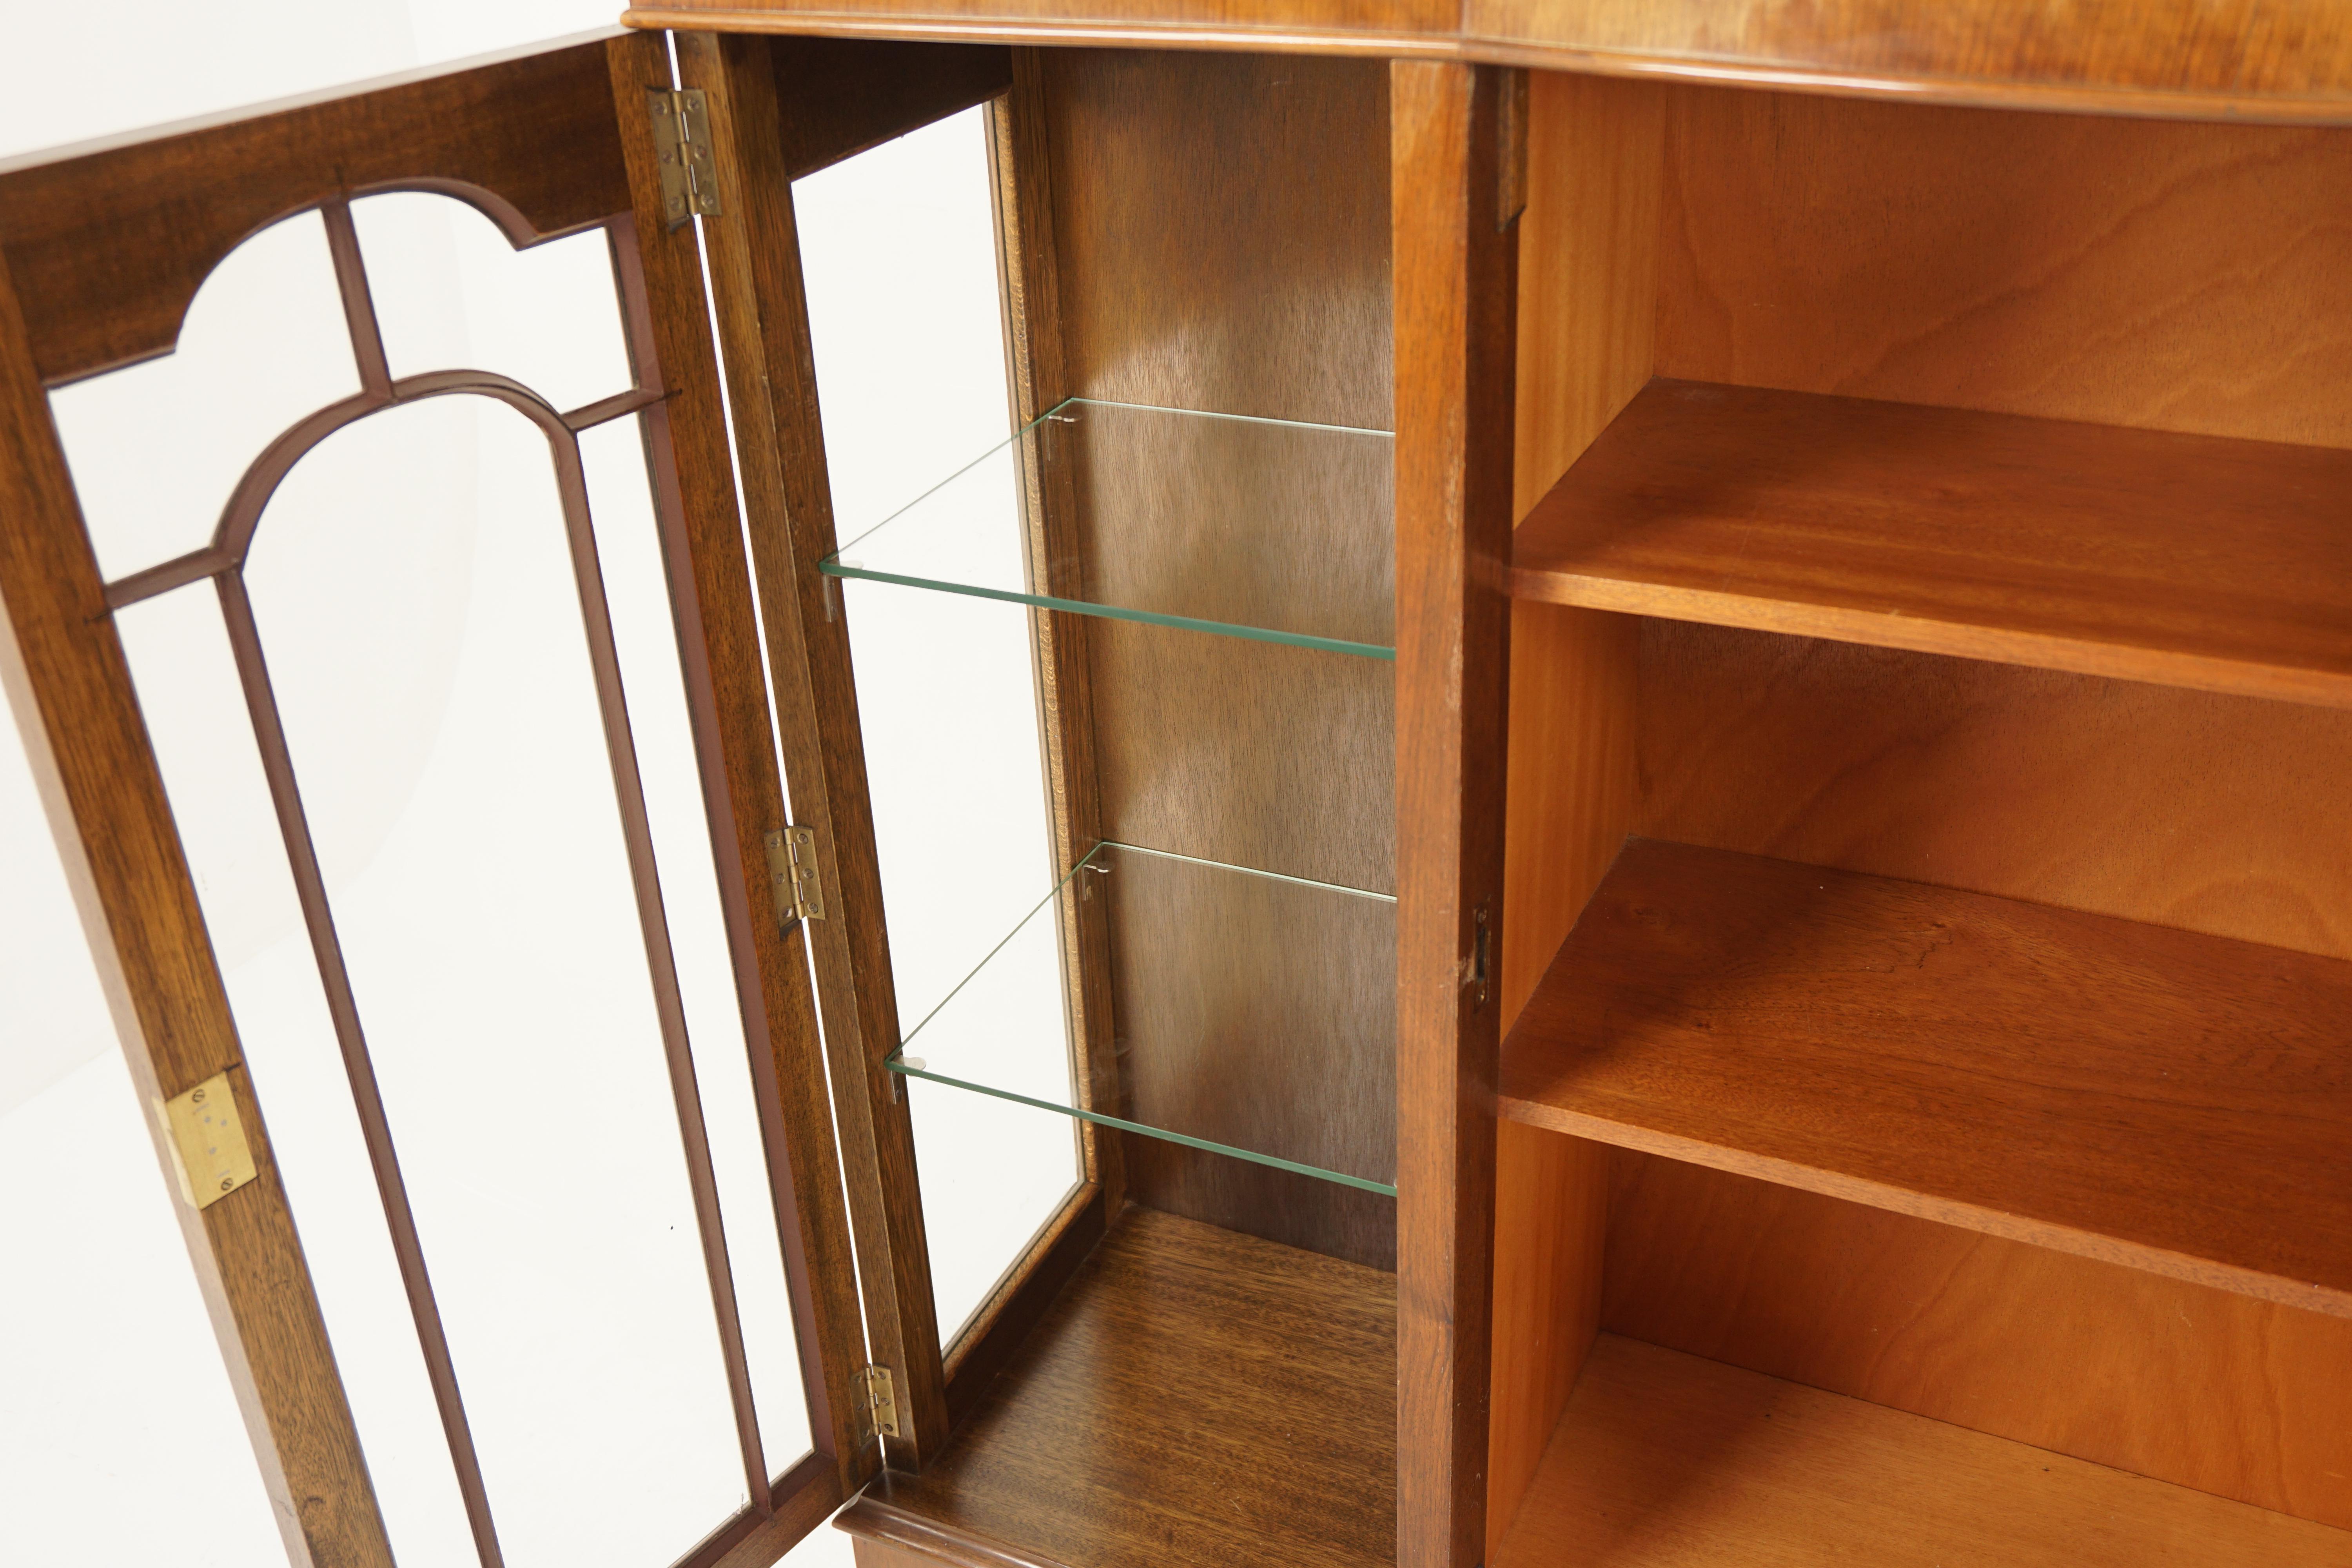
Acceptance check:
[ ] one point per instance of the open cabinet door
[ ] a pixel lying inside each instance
(564, 1007)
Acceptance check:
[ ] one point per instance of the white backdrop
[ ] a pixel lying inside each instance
(113, 1406)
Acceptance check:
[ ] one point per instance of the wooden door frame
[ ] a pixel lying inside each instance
(101, 251)
(1457, 178)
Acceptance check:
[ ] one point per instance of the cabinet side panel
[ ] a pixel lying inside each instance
(2168, 276)
(1220, 225)
(1588, 292)
(2157, 1376)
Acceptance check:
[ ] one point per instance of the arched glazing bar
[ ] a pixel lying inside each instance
(223, 561)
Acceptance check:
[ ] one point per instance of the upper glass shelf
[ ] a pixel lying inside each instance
(1252, 1014)
(1215, 522)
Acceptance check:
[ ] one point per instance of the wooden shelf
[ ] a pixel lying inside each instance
(2176, 1102)
(2182, 560)
(1666, 1460)
(1194, 1395)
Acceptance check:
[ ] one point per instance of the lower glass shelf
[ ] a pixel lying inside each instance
(1251, 1014)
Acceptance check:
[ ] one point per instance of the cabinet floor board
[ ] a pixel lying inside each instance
(2194, 561)
(1196, 1396)
(1666, 1460)
(2156, 1097)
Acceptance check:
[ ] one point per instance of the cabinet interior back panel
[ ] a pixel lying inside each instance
(1220, 228)
(2167, 274)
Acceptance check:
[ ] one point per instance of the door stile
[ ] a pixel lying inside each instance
(69, 680)
(763, 310)
(1456, 247)
(890, 1247)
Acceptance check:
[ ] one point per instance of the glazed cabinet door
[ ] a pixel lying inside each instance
(380, 615)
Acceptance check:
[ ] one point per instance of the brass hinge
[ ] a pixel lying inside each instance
(793, 880)
(881, 1401)
(208, 1138)
(690, 179)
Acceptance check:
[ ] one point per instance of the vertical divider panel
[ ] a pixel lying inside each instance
(754, 252)
(1454, 152)
(1587, 330)
(694, 478)
(65, 670)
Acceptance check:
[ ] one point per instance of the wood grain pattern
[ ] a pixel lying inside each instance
(1664, 1460)
(1456, 296)
(1551, 1219)
(1269, 1025)
(686, 437)
(107, 242)
(846, 95)
(1196, 1396)
(70, 685)
(1588, 268)
(1001, 1324)
(2203, 1388)
(2174, 276)
(2249, 59)
(1223, 223)
(2188, 559)
(1569, 803)
(2211, 814)
(1220, 236)
(763, 320)
(2159, 1099)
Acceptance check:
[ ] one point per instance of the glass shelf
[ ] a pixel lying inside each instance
(1248, 528)
(1248, 1009)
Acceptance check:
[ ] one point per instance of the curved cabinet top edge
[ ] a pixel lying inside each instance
(2259, 61)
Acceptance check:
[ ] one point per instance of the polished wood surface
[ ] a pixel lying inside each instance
(1024, 1293)
(764, 334)
(1209, 254)
(2248, 58)
(1551, 1219)
(1242, 191)
(1588, 268)
(2154, 1098)
(107, 242)
(842, 96)
(69, 684)
(2170, 277)
(1664, 1460)
(1457, 292)
(719, 642)
(2188, 559)
(2211, 814)
(1196, 1395)
(2200, 1387)
(1587, 303)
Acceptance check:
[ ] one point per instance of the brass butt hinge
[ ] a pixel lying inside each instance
(793, 881)
(881, 1401)
(689, 178)
(208, 1139)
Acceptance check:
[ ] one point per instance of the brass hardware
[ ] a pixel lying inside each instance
(881, 1400)
(1475, 967)
(690, 179)
(793, 881)
(208, 1137)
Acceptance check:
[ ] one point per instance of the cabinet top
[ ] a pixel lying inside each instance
(2277, 60)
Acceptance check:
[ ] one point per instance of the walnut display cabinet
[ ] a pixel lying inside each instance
(1694, 674)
